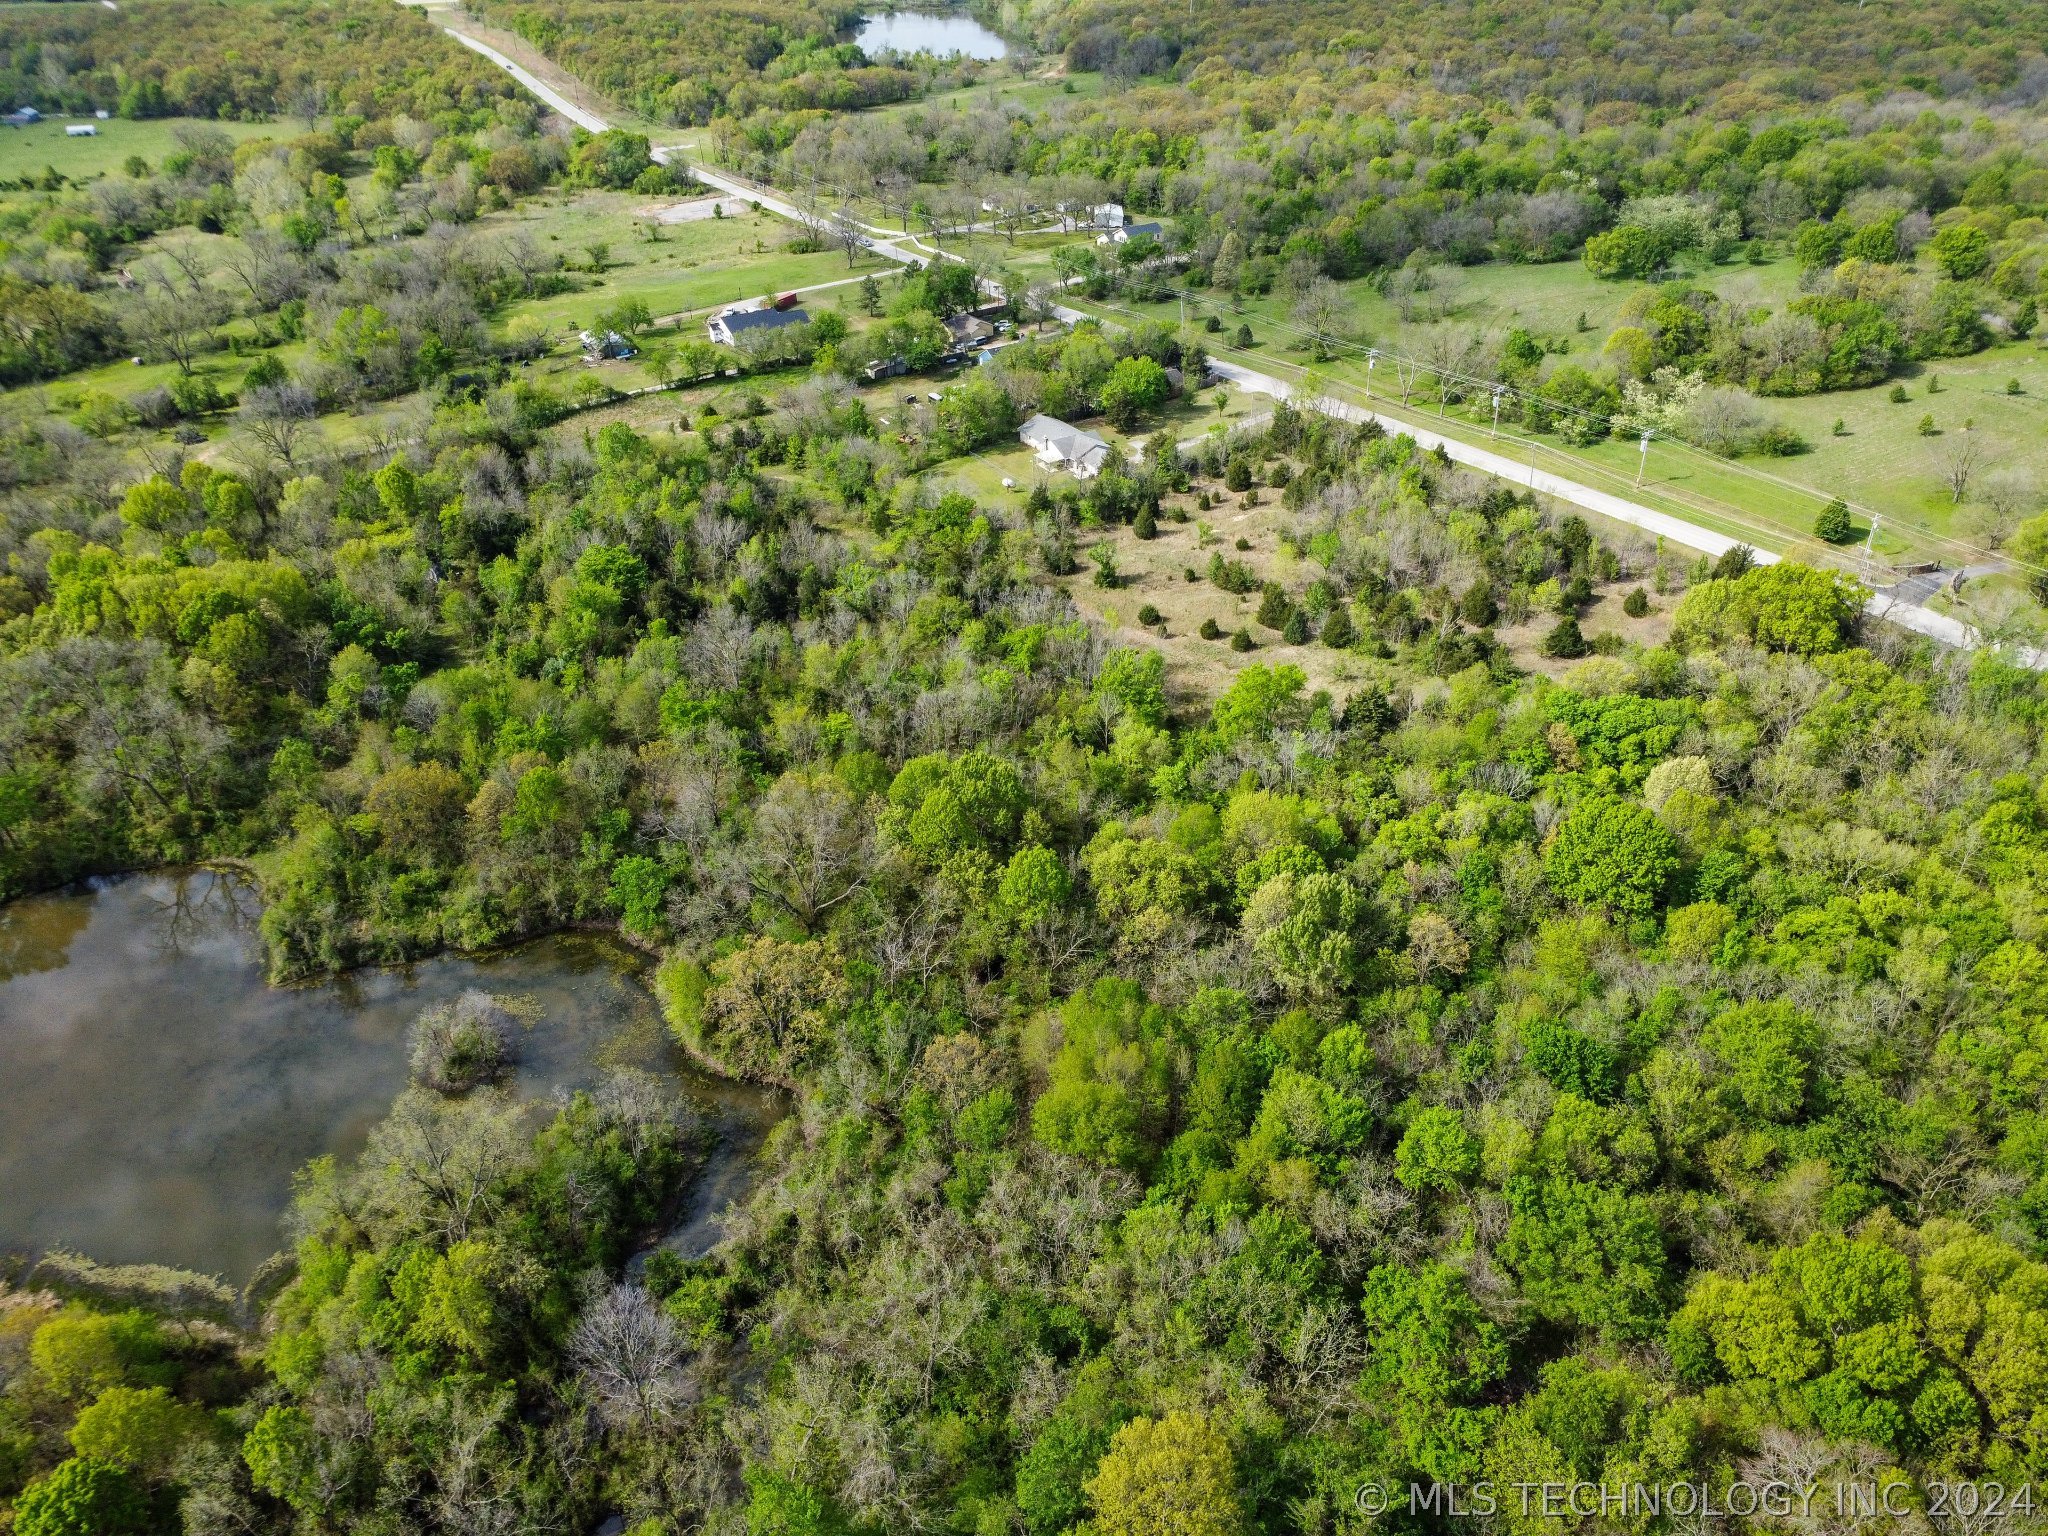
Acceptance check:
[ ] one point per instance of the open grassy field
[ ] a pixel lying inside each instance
(1880, 463)
(30, 151)
(1003, 86)
(690, 266)
(1560, 303)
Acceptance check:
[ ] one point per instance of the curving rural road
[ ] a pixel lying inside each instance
(1896, 607)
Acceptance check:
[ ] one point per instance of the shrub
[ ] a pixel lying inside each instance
(154, 407)
(267, 372)
(1927, 428)
(1149, 616)
(1232, 576)
(1144, 525)
(1242, 641)
(462, 1045)
(1244, 336)
(1210, 630)
(1338, 631)
(1296, 630)
(1564, 641)
(1274, 607)
(1833, 523)
(1637, 604)
(1898, 394)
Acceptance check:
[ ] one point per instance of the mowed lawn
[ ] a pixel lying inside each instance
(1559, 303)
(32, 150)
(690, 266)
(1882, 464)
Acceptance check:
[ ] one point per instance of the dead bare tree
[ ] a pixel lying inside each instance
(1319, 309)
(171, 315)
(1960, 460)
(847, 236)
(810, 850)
(628, 1356)
(278, 418)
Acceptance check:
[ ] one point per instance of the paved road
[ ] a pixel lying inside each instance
(1899, 605)
(580, 116)
(1902, 605)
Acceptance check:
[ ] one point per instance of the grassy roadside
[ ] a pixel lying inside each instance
(1863, 445)
(1763, 506)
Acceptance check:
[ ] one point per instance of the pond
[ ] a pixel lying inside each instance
(943, 34)
(156, 1095)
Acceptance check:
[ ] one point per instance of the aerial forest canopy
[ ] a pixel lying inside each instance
(211, 58)
(1724, 61)
(1523, 1003)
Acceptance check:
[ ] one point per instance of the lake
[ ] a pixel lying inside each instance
(943, 34)
(156, 1095)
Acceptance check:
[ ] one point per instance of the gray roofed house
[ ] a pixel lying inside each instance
(1060, 446)
(1131, 232)
(966, 330)
(726, 329)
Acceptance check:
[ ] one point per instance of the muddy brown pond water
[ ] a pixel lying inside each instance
(156, 1095)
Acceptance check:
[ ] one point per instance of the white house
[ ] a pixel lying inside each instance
(1059, 446)
(1108, 216)
(1131, 232)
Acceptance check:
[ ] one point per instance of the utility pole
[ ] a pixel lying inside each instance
(1496, 410)
(1870, 541)
(1643, 461)
(1372, 361)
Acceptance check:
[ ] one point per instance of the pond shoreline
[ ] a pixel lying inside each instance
(158, 1092)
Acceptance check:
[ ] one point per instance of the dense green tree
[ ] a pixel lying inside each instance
(1611, 853)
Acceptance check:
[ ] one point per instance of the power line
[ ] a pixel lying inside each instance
(1557, 408)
